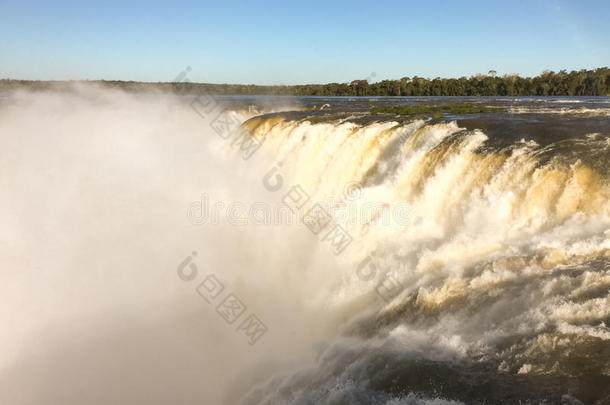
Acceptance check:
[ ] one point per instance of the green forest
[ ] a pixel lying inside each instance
(575, 83)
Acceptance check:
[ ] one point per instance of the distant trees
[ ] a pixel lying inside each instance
(575, 83)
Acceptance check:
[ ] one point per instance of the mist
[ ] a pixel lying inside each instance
(96, 186)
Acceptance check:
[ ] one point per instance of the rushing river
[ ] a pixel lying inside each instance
(388, 259)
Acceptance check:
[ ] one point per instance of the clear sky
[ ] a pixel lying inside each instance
(284, 42)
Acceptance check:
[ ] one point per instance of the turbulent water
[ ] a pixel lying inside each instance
(463, 259)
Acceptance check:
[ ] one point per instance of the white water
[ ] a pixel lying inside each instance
(96, 186)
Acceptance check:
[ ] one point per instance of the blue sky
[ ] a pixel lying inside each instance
(276, 42)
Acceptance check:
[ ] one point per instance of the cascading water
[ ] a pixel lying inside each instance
(476, 267)
(504, 277)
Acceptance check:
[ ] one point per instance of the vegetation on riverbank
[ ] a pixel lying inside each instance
(575, 83)
(438, 110)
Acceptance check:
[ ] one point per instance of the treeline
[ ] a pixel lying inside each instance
(575, 83)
